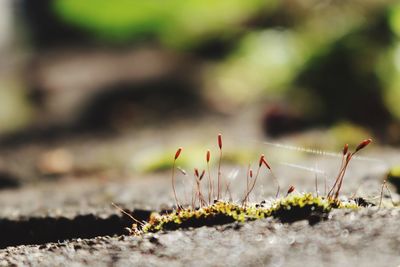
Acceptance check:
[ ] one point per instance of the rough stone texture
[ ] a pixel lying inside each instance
(368, 237)
(43, 211)
(362, 238)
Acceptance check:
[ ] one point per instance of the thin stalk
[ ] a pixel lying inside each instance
(342, 176)
(210, 184)
(210, 181)
(219, 173)
(228, 190)
(355, 193)
(254, 183)
(127, 214)
(200, 195)
(384, 185)
(276, 181)
(349, 156)
(263, 161)
(173, 185)
(390, 193)
(360, 146)
(340, 182)
(247, 184)
(380, 201)
(194, 195)
(337, 177)
(178, 152)
(219, 165)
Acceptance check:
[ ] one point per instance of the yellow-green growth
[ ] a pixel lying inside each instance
(290, 208)
(394, 177)
(306, 206)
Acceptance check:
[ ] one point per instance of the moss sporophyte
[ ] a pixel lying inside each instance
(209, 209)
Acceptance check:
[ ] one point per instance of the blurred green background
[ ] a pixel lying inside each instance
(72, 66)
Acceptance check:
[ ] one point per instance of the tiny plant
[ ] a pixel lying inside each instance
(261, 162)
(210, 209)
(210, 182)
(198, 195)
(177, 154)
(219, 165)
(346, 158)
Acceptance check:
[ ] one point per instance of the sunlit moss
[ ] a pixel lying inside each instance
(394, 18)
(394, 177)
(387, 70)
(306, 206)
(126, 19)
(264, 61)
(347, 132)
(16, 111)
(290, 208)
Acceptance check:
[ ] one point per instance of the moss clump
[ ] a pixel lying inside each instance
(306, 206)
(393, 177)
(291, 208)
(216, 214)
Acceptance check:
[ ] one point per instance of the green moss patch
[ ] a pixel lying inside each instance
(288, 209)
(394, 177)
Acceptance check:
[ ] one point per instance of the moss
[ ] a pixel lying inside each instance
(306, 206)
(291, 208)
(394, 177)
(124, 20)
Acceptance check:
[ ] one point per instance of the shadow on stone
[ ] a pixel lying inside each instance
(44, 230)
